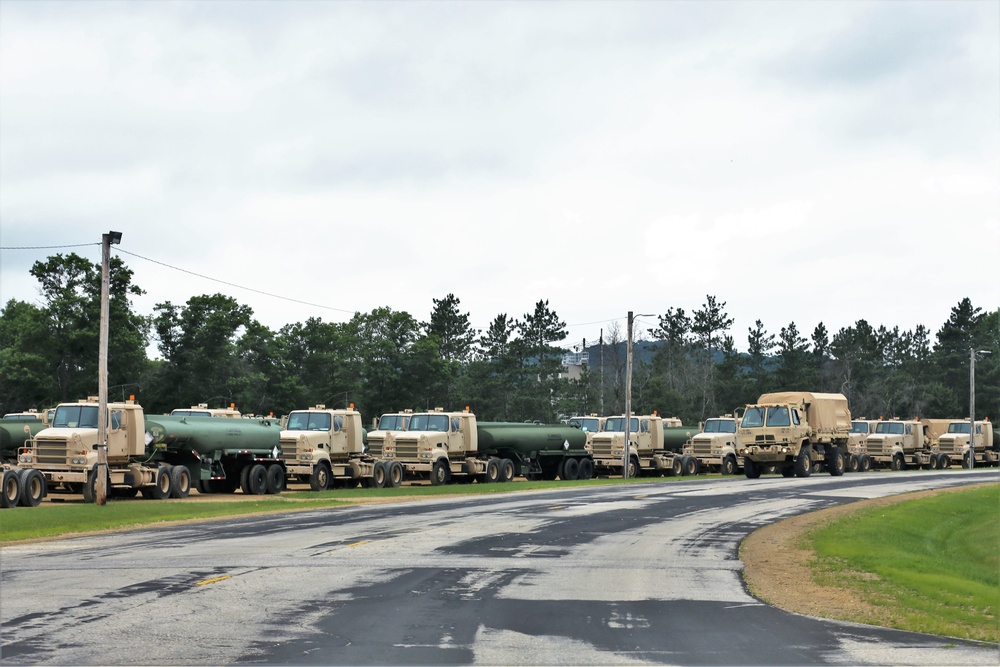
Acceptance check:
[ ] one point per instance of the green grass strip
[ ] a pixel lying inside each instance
(927, 565)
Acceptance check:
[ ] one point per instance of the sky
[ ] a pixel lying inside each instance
(802, 162)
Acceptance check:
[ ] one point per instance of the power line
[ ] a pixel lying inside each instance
(45, 247)
(223, 282)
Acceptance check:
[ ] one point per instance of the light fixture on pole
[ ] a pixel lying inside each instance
(628, 395)
(972, 405)
(101, 471)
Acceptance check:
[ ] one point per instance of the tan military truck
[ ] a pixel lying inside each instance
(326, 448)
(954, 444)
(590, 425)
(794, 431)
(383, 427)
(716, 445)
(900, 444)
(858, 460)
(654, 448)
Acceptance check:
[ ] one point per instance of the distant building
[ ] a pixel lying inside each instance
(573, 363)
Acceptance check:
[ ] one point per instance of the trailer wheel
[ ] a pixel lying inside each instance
(394, 474)
(440, 474)
(492, 472)
(319, 480)
(31, 488)
(691, 465)
(162, 485)
(506, 470)
(257, 479)
(275, 479)
(245, 479)
(180, 482)
(586, 469)
(897, 462)
(677, 467)
(728, 465)
(570, 469)
(803, 462)
(11, 489)
(379, 475)
(751, 469)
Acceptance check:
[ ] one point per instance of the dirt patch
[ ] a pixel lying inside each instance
(776, 566)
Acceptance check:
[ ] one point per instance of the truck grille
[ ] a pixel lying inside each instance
(947, 446)
(52, 452)
(602, 449)
(375, 447)
(764, 439)
(406, 449)
(289, 450)
(701, 447)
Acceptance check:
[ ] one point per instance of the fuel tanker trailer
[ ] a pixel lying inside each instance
(441, 445)
(654, 448)
(159, 457)
(14, 432)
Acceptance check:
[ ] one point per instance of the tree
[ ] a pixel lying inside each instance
(452, 328)
(794, 371)
(760, 343)
(26, 358)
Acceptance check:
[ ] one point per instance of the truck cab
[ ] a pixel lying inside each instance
(319, 445)
(435, 444)
(646, 449)
(894, 442)
(715, 446)
(384, 427)
(955, 443)
(590, 425)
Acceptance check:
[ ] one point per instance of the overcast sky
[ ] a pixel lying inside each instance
(803, 162)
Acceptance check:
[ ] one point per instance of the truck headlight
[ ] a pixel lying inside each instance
(24, 458)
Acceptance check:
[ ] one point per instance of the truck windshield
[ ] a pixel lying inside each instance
(589, 425)
(753, 418)
(959, 427)
(392, 423)
(894, 428)
(720, 426)
(859, 427)
(79, 416)
(429, 422)
(308, 421)
(778, 416)
(617, 425)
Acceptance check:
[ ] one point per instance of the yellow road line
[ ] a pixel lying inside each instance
(358, 544)
(212, 581)
(558, 507)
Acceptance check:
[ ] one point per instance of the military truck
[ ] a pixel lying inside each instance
(590, 425)
(326, 448)
(383, 427)
(442, 446)
(654, 449)
(794, 431)
(858, 459)
(900, 444)
(955, 444)
(160, 457)
(715, 446)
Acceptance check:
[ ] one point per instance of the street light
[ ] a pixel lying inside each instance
(101, 472)
(628, 394)
(972, 404)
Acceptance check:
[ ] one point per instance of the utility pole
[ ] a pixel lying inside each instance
(101, 471)
(628, 395)
(972, 405)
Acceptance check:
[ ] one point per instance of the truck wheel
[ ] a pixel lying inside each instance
(751, 469)
(11, 489)
(803, 462)
(440, 474)
(245, 480)
(677, 467)
(728, 465)
(257, 480)
(492, 472)
(180, 482)
(633, 467)
(586, 469)
(836, 463)
(945, 461)
(506, 470)
(378, 475)
(967, 459)
(32, 488)
(275, 479)
(394, 474)
(319, 480)
(932, 462)
(162, 484)
(897, 462)
(570, 470)
(855, 463)
(691, 466)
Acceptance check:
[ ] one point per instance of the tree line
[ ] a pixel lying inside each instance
(212, 350)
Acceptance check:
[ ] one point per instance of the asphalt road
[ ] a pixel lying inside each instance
(644, 573)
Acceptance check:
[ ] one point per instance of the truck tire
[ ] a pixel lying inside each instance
(257, 480)
(728, 466)
(180, 482)
(394, 474)
(440, 473)
(319, 480)
(31, 488)
(492, 475)
(690, 464)
(897, 462)
(677, 467)
(854, 464)
(506, 470)
(803, 462)
(10, 493)
(836, 463)
(751, 469)
(162, 483)
(245, 480)
(275, 479)
(945, 462)
(932, 462)
(570, 470)
(967, 461)
(379, 475)
(586, 469)
(633, 467)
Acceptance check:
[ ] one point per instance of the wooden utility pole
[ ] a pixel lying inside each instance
(101, 471)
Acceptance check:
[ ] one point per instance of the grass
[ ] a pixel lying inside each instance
(56, 519)
(927, 565)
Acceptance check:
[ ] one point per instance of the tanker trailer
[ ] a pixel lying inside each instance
(538, 451)
(222, 454)
(14, 432)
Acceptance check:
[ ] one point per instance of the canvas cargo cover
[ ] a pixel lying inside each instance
(933, 428)
(826, 413)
